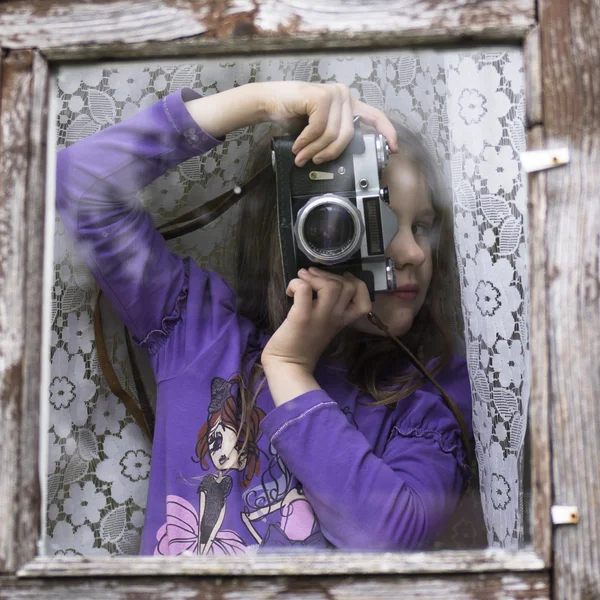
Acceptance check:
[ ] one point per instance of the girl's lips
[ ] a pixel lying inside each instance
(406, 292)
(405, 295)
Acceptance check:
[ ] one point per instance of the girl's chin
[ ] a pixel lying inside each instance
(398, 324)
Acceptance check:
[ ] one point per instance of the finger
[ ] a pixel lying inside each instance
(318, 116)
(328, 291)
(361, 301)
(345, 301)
(326, 274)
(377, 119)
(329, 134)
(348, 289)
(301, 291)
(345, 135)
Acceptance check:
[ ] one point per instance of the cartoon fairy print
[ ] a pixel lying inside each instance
(219, 440)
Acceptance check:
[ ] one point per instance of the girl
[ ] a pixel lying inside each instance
(319, 432)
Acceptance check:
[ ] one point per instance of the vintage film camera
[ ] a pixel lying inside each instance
(335, 215)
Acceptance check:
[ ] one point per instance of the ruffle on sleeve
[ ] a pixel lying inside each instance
(156, 338)
(425, 415)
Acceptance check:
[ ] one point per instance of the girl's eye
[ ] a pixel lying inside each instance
(421, 229)
(215, 441)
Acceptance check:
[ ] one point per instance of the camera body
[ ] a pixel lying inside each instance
(335, 215)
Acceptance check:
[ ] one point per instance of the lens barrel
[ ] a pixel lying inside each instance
(329, 229)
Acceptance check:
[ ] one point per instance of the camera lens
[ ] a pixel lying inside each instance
(329, 229)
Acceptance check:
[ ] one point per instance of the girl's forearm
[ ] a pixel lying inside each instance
(227, 111)
(288, 381)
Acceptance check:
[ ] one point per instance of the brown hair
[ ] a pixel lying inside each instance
(372, 361)
(246, 442)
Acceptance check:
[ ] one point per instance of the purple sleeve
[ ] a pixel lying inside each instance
(400, 500)
(96, 185)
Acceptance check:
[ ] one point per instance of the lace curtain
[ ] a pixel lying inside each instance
(467, 107)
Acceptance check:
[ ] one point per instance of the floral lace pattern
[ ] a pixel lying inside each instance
(468, 108)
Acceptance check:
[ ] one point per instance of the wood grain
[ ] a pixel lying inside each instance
(200, 46)
(15, 102)
(28, 515)
(313, 563)
(62, 23)
(538, 423)
(532, 65)
(570, 58)
(516, 586)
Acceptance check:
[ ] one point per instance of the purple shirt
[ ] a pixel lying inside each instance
(323, 469)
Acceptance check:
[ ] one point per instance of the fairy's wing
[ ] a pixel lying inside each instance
(180, 532)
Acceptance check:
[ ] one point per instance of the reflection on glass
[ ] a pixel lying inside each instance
(308, 428)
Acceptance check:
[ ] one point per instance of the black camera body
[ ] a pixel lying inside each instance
(335, 215)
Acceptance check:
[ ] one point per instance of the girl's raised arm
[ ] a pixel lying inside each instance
(323, 113)
(96, 186)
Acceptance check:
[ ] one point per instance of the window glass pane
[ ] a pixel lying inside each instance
(289, 451)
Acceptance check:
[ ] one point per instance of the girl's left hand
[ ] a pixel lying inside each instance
(312, 324)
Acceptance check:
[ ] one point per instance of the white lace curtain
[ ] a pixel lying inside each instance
(467, 107)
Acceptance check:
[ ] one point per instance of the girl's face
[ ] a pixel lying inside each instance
(410, 249)
(222, 448)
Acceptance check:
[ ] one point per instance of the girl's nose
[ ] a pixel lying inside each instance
(405, 250)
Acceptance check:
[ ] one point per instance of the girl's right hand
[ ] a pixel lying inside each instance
(330, 109)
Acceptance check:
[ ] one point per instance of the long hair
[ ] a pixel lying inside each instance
(374, 363)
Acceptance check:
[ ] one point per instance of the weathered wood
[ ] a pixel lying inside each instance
(200, 46)
(570, 58)
(539, 421)
(516, 586)
(28, 528)
(532, 64)
(60, 23)
(15, 102)
(313, 563)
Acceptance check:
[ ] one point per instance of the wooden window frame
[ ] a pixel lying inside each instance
(33, 43)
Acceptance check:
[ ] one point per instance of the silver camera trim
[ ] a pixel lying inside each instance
(382, 150)
(315, 202)
(368, 167)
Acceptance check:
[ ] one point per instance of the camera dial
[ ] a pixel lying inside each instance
(390, 274)
(382, 151)
(384, 194)
(329, 229)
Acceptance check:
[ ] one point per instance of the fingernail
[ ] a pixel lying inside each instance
(317, 161)
(303, 271)
(301, 162)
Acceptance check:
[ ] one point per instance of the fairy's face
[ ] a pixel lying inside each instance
(222, 442)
